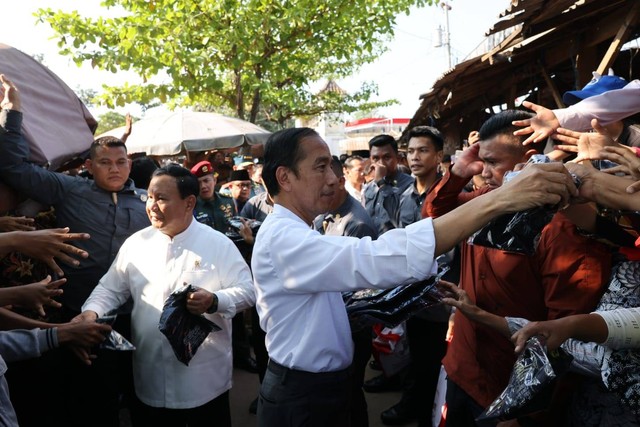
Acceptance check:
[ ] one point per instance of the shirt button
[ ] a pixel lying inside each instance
(482, 276)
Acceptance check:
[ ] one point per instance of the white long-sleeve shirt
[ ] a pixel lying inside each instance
(610, 106)
(299, 274)
(151, 265)
(624, 327)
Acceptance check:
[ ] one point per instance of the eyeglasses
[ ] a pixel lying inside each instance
(242, 185)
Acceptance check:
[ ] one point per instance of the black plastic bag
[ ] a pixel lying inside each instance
(115, 340)
(531, 383)
(392, 306)
(184, 330)
(236, 224)
(517, 232)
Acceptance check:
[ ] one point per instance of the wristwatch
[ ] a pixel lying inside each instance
(214, 305)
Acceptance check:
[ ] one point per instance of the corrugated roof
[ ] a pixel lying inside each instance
(542, 34)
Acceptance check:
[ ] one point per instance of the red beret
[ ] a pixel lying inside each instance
(203, 168)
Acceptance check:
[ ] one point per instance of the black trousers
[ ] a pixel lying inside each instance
(216, 412)
(462, 410)
(290, 398)
(428, 345)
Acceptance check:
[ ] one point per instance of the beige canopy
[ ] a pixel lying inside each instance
(56, 124)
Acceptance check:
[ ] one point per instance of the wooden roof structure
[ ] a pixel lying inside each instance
(549, 47)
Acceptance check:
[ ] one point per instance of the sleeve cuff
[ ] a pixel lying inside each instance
(226, 307)
(421, 245)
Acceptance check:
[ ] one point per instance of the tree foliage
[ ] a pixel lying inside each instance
(256, 57)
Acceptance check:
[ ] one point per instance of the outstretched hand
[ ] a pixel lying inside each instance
(587, 145)
(37, 295)
(537, 185)
(245, 231)
(16, 223)
(543, 125)
(458, 298)
(48, 245)
(555, 332)
(628, 162)
(10, 95)
(80, 335)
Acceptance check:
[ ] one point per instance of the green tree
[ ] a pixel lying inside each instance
(256, 57)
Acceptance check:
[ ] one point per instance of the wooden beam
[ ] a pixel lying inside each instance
(552, 87)
(513, 37)
(619, 39)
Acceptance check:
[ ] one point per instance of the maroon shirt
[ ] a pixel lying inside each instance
(567, 275)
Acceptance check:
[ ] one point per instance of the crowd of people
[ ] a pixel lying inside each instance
(270, 247)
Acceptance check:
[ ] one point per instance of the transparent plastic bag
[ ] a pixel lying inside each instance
(115, 340)
(184, 330)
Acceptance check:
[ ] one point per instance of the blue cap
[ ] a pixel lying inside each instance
(599, 84)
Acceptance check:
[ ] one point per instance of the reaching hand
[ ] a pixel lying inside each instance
(468, 163)
(554, 331)
(246, 232)
(127, 128)
(16, 223)
(11, 96)
(628, 162)
(588, 145)
(458, 298)
(81, 335)
(537, 185)
(541, 126)
(48, 244)
(36, 295)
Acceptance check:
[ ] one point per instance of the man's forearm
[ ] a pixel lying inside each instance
(457, 225)
(11, 320)
(611, 191)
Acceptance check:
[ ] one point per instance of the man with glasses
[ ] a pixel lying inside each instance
(240, 183)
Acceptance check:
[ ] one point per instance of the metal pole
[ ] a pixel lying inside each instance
(448, 36)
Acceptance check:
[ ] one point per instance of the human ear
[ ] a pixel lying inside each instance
(283, 176)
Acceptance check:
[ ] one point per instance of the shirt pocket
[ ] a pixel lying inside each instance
(204, 278)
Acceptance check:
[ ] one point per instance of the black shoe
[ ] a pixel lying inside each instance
(253, 408)
(247, 363)
(381, 384)
(373, 364)
(399, 414)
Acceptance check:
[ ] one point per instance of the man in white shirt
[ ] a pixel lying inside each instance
(153, 263)
(299, 274)
(354, 177)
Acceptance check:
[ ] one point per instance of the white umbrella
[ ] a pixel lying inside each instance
(177, 132)
(56, 124)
